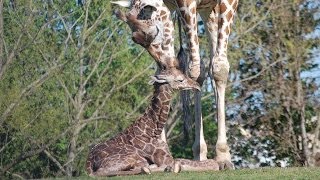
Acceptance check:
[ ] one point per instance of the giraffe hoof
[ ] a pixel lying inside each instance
(168, 169)
(226, 165)
(177, 167)
(145, 170)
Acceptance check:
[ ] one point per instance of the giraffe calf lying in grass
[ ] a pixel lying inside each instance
(140, 145)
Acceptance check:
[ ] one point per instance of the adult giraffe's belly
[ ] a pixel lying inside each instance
(201, 4)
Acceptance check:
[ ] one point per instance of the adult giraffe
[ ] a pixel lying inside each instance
(218, 17)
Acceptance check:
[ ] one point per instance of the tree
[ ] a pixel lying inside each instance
(66, 86)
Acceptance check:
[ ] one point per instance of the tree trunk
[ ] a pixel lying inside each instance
(299, 90)
(1, 36)
(72, 150)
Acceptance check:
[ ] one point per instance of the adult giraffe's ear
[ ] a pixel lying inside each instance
(123, 3)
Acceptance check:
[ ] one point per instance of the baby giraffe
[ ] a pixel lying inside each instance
(140, 145)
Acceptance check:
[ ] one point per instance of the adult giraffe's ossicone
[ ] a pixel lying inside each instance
(218, 17)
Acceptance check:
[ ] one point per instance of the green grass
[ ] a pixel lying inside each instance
(245, 174)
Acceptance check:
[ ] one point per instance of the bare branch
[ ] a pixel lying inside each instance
(134, 77)
(10, 58)
(129, 115)
(28, 90)
(25, 155)
(53, 159)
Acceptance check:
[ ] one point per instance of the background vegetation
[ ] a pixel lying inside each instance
(70, 76)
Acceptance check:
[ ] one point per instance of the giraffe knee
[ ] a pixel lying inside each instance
(222, 148)
(220, 69)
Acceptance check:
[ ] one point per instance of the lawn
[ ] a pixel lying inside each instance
(263, 173)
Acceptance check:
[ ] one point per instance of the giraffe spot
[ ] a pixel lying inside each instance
(159, 156)
(129, 136)
(138, 143)
(155, 107)
(190, 34)
(168, 41)
(162, 13)
(122, 151)
(150, 124)
(164, 17)
(180, 3)
(229, 15)
(162, 96)
(122, 140)
(220, 22)
(223, 8)
(158, 131)
(194, 21)
(187, 18)
(235, 4)
(162, 118)
(140, 125)
(143, 119)
(145, 138)
(193, 10)
(149, 131)
(167, 95)
(161, 125)
(165, 108)
(149, 149)
(137, 131)
(151, 113)
(220, 36)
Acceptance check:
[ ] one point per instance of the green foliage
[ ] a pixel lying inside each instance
(74, 65)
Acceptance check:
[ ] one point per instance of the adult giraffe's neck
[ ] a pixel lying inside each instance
(156, 114)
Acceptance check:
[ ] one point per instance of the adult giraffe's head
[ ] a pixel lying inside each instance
(143, 17)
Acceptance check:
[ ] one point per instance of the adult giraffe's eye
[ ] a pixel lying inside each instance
(146, 12)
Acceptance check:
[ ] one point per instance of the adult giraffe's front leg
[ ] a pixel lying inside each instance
(220, 70)
(188, 10)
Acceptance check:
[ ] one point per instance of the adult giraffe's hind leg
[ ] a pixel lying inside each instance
(218, 24)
